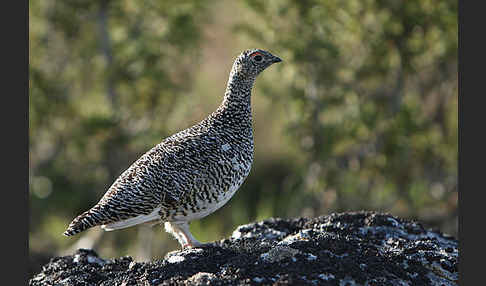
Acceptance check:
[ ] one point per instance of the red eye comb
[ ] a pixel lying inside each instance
(256, 53)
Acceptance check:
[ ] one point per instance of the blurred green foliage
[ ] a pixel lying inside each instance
(362, 113)
(105, 76)
(372, 87)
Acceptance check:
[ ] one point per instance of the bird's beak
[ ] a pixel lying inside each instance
(276, 59)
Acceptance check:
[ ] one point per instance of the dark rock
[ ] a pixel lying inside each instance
(361, 248)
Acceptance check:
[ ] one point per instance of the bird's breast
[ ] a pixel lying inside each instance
(215, 184)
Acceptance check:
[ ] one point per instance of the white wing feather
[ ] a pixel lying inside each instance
(154, 215)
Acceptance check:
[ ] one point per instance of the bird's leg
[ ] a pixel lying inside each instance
(180, 230)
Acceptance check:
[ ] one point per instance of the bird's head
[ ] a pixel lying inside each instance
(252, 62)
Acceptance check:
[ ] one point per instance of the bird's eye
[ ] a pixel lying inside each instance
(257, 57)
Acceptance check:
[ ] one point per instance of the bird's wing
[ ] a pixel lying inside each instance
(162, 177)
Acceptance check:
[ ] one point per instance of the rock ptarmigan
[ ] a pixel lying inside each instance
(190, 174)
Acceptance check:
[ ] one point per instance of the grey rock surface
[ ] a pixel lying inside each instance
(359, 248)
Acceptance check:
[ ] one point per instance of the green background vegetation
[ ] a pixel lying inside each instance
(362, 113)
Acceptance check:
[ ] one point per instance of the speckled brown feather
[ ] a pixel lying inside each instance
(193, 172)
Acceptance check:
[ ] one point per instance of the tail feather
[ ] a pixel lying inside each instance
(84, 221)
(99, 216)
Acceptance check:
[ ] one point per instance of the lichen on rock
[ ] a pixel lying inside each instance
(359, 248)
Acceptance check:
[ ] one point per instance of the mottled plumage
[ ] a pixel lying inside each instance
(191, 173)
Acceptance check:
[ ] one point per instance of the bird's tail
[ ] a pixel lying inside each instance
(84, 221)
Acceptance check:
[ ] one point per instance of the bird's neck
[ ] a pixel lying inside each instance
(237, 97)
